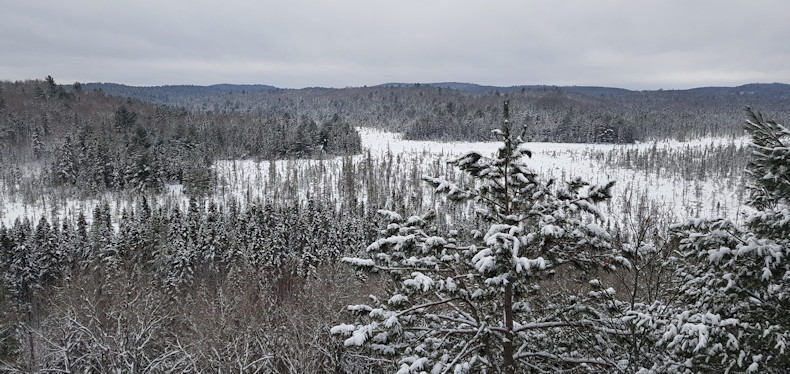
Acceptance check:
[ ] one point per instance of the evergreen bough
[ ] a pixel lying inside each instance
(734, 314)
(495, 304)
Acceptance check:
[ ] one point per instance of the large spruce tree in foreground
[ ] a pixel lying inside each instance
(734, 317)
(496, 303)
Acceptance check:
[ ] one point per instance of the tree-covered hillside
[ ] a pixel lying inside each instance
(97, 142)
(459, 111)
(505, 269)
(174, 93)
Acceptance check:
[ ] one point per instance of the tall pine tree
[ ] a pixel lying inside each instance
(490, 305)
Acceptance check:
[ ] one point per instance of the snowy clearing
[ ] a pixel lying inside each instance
(248, 181)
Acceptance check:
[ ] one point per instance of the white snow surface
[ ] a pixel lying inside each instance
(247, 180)
(565, 160)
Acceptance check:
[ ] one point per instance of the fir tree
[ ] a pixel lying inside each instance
(64, 169)
(211, 239)
(47, 255)
(38, 144)
(124, 119)
(178, 256)
(481, 307)
(737, 290)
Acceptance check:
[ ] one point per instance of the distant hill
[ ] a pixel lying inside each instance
(468, 111)
(773, 89)
(476, 88)
(175, 93)
(464, 87)
(776, 90)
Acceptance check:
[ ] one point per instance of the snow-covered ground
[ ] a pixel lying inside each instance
(248, 180)
(565, 160)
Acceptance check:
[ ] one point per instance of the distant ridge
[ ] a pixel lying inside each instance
(476, 88)
(780, 90)
(174, 93)
(226, 87)
(171, 94)
(751, 88)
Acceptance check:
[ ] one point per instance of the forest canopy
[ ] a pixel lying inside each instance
(494, 264)
(97, 142)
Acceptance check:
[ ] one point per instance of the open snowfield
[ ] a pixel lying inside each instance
(565, 160)
(249, 180)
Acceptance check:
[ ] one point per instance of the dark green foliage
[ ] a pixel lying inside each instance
(737, 279)
(54, 90)
(339, 137)
(770, 165)
(124, 119)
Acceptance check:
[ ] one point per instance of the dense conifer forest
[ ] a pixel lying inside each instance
(95, 142)
(250, 229)
(452, 111)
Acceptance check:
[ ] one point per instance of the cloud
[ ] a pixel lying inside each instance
(341, 43)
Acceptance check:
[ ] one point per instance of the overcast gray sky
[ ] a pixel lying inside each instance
(620, 43)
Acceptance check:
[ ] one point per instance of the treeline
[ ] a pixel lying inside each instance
(692, 162)
(553, 114)
(96, 142)
(436, 113)
(173, 93)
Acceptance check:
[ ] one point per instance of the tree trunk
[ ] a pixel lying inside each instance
(507, 346)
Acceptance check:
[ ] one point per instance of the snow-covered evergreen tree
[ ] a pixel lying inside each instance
(104, 243)
(64, 169)
(737, 292)
(22, 276)
(46, 253)
(210, 239)
(495, 304)
(179, 255)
